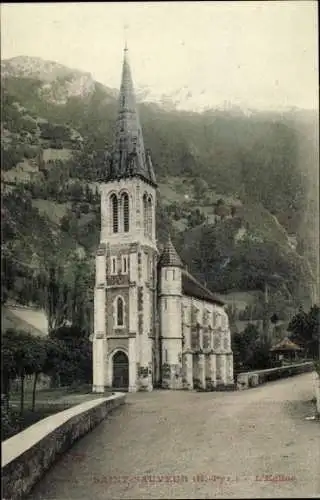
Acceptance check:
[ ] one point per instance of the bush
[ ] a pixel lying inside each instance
(85, 208)
(9, 423)
(10, 157)
(28, 151)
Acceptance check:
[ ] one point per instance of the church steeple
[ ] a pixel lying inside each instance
(128, 157)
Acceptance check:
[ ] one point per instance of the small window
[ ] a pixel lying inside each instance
(209, 319)
(151, 268)
(218, 320)
(173, 274)
(214, 319)
(165, 304)
(166, 355)
(166, 274)
(149, 217)
(113, 265)
(120, 311)
(125, 264)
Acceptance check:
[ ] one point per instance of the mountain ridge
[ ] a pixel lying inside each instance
(37, 67)
(201, 159)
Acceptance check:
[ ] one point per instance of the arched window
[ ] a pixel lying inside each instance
(125, 208)
(120, 312)
(149, 217)
(145, 214)
(114, 212)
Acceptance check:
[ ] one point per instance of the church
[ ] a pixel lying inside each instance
(155, 325)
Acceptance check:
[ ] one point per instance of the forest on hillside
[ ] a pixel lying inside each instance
(263, 161)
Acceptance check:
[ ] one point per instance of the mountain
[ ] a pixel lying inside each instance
(57, 83)
(234, 187)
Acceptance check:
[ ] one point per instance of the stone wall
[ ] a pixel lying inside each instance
(255, 378)
(27, 455)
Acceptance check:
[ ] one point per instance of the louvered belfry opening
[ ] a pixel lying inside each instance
(125, 208)
(115, 213)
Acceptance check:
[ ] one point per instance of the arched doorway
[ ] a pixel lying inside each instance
(120, 377)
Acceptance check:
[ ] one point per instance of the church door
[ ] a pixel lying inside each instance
(120, 370)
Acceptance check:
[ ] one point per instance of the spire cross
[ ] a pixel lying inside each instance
(125, 28)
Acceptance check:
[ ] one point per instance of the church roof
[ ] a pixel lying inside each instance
(169, 256)
(192, 287)
(128, 157)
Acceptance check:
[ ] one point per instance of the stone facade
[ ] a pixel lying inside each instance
(154, 324)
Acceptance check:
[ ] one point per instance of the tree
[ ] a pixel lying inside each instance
(55, 297)
(81, 295)
(88, 194)
(200, 187)
(195, 218)
(274, 319)
(76, 349)
(305, 329)
(250, 351)
(22, 354)
(8, 367)
(56, 360)
(244, 346)
(38, 358)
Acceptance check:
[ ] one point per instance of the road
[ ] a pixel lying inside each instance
(250, 444)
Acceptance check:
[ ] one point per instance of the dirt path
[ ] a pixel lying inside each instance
(250, 444)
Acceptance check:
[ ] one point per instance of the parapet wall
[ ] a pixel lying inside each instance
(255, 378)
(27, 455)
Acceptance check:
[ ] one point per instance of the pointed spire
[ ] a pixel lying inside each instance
(169, 256)
(129, 158)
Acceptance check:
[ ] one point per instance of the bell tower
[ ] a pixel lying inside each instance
(125, 292)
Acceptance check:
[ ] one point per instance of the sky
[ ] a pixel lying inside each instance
(261, 55)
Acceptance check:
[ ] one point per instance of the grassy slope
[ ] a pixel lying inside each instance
(264, 225)
(53, 210)
(11, 320)
(56, 154)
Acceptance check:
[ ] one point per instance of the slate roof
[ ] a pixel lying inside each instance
(192, 288)
(128, 157)
(169, 256)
